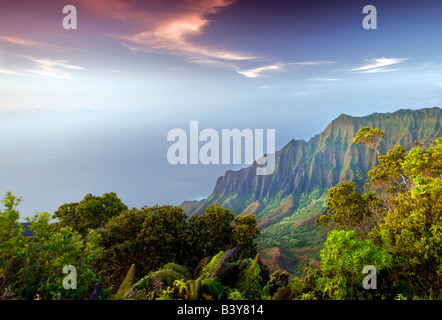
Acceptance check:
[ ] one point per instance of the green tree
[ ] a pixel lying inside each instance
(45, 255)
(149, 237)
(342, 261)
(348, 209)
(90, 213)
(370, 137)
(11, 243)
(401, 212)
(210, 232)
(244, 234)
(34, 264)
(413, 228)
(278, 279)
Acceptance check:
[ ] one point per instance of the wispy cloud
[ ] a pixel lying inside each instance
(379, 65)
(53, 68)
(278, 67)
(260, 71)
(41, 67)
(326, 79)
(27, 65)
(24, 42)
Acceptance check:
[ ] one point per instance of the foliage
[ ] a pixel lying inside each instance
(167, 276)
(11, 243)
(221, 264)
(300, 288)
(212, 288)
(244, 234)
(236, 295)
(210, 232)
(278, 279)
(48, 251)
(201, 265)
(90, 213)
(194, 288)
(342, 261)
(251, 281)
(177, 291)
(154, 236)
(213, 283)
(414, 230)
(401, 215)
(145, 289)
(177, 268)
(207, 270)
(37, 261)
(149, 237)
(126, 285)
(348, 209)
(369, 137)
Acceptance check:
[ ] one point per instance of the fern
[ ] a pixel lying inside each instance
(222, 262)
(198, 270)
(126, 284)
(194, 288)
(212, 288)
(166, 276)
(178, 268)
(208, 268)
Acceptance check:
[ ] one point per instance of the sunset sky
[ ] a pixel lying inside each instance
(88, 110)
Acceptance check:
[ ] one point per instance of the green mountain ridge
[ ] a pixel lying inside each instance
(286, 202)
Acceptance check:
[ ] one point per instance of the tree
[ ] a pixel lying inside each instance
(210, 232)
(11, 243)
(45, 255)
(244, 234)
(342, 261)
(348, 209)
(400, 212)
(278, 279)
(413, 228)
(90, 213)
(149, 237)
(34, 264)
(369, 137)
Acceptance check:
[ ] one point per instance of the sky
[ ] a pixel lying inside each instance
(87, 110)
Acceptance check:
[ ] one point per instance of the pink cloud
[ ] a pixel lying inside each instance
(24, 42)
(168, 29)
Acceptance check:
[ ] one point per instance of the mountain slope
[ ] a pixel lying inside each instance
(286, 201)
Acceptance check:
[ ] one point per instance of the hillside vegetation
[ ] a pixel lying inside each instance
(287, 202)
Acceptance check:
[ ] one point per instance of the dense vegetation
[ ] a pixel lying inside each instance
(159, 252)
